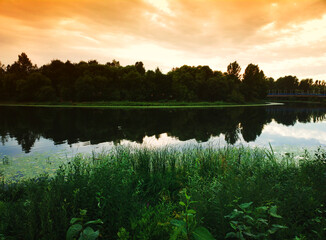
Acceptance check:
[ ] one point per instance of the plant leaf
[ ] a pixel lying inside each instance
(262, 220)
(98, 221)
(178, 223)
(83, 212)
(182, 203)
(272, 212)
(230, 235)
(73, 231)
(245, 205)
(191, 211)
(201, 233)
(74, 220)
(89, 234)
(279, 226)
(248, 217)
(176, 233)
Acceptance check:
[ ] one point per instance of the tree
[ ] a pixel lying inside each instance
(22, 67)
(202, 74)
(2, 68)
(234, 70)
(254, 85)
(305, 84)
(271, 83)
(2, 75)
(140, 68)
(84, 88)
(131, 83)
(216, 88)
(288, 83)
(36, 87)
(114, 63)
(184, 84)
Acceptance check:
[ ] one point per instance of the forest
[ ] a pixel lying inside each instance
(60, 81)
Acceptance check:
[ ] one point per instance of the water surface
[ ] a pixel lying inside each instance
(26, 130)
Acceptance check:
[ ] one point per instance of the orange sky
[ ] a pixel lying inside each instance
(283, 37)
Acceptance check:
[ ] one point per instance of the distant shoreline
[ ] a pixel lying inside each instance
(139, 105)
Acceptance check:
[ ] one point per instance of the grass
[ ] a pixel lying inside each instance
(137, 193)
(128, 104)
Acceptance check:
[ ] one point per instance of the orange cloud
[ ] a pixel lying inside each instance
(168, 33)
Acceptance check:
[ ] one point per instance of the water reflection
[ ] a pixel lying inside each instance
(94, 126)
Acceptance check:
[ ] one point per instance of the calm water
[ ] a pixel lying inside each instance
(28, 130)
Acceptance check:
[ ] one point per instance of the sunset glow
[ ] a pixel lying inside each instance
(283, 37)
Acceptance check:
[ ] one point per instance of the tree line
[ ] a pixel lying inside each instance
(90, 81)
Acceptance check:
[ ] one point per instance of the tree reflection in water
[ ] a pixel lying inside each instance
(28, 124)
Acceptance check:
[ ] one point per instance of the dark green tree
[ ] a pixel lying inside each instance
(184, 85)
(36, 87)
(234, 80)
(84, 88)
(288, 83)
(2, 76)
(140, 67)
(233, 70)
(254, 84)
(114, 63)
(217, 88)
(22, 67)
(305, 84)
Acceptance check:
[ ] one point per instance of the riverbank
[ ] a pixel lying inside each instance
(158, 194)
(127, 104)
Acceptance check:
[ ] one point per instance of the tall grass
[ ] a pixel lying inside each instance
(138, 191)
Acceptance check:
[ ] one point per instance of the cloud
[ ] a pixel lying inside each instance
(267, 32)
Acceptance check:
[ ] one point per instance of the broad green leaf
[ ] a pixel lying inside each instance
(187, 197)
(83, 212)
(230, 235)
(178, 223)
(176, 233)
(245, 205)
(74, 220)
(263, 208)
(201, 233)
(249, 234)
(248, 217)
(89, 234)
(279, 226)
(262, 220)
(73, 231)
(234, 214)
(272, 212)
(182, 203)
(191, 211)
(234, 224)
(240, 236)
(98, 221)
(272, 230)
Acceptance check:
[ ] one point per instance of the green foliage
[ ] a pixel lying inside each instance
(136, 193)
(254, 83)
(185, 223)
(91, 81)
(81, 229)
(123, 234)
(287, 83)
(250, 222)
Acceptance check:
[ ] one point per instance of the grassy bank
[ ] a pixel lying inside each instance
(127, 104)
(162, 194)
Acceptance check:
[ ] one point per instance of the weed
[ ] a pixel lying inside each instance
(81, 229)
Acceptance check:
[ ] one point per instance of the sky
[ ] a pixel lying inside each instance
(284, 37)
